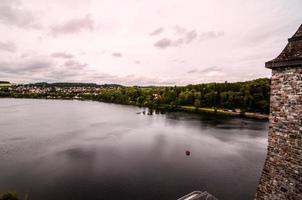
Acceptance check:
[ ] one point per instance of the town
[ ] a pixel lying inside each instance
(248, 99)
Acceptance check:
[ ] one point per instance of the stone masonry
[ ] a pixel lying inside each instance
(282, 174)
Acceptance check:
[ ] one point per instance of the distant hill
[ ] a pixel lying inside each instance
(4, 82)
(68, 84)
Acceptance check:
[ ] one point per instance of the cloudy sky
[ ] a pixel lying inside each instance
(142, 42)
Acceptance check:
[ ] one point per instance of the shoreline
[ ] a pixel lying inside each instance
(225, 112)
(167, 108)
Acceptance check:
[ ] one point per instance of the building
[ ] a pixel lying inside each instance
(282, 174)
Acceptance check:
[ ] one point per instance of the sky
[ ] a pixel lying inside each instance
(143, 42)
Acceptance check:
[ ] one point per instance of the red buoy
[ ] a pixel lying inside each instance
(188, 153)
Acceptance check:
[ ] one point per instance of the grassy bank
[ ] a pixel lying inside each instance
(6, 84)
(223, 112)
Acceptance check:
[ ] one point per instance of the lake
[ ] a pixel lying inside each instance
(76, 150)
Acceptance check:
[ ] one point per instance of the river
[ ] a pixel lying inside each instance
(76, 150)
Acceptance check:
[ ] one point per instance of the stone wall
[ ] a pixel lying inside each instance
(282, 174)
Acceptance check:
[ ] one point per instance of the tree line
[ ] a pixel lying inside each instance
(249, 96)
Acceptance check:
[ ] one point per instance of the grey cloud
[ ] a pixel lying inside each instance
(43, 68)
(210, 69)
(62, 75)
(190, 36)
(208, 74)
(157, 31)
(142, 80)
(210, 35)
(8, 46)
(178, 42)
(179, 30)
(37, 65)
(205, 70)
(192, 71)
(12, 13)
(163, 43)
(24, 55)
(62, 55)
(26, 67)
(118, 55)
(132, 79)
(185, 37)
(69, 72)
(73, 64)
(73, 26)
(102, 77)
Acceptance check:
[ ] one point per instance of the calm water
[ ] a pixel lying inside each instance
(74, 150)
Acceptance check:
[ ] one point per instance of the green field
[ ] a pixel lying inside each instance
(224, 112)
(6, 84)
(209, 110)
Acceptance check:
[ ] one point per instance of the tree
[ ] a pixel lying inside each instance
(197, 103)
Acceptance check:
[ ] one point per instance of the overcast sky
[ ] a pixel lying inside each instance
(143, 42)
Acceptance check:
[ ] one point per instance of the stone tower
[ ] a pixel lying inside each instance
(282, 174)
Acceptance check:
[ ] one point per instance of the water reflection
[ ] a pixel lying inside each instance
(89, 150)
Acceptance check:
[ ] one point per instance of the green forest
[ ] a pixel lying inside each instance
(249, 96)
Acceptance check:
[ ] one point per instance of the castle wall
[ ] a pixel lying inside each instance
(282, 174)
